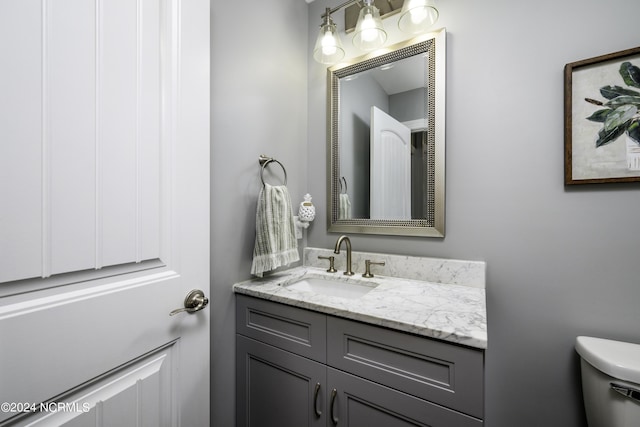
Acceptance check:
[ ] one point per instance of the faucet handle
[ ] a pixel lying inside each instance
(331, 261)
(367, 267)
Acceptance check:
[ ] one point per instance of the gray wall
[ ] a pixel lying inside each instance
(561, 262)
(258, 106)
(408, 105)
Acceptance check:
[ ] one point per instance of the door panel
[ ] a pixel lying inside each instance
(128, 124)
(95, 153)
(390, 167)
(104, 161)
(20, 123)
(58, 343)
(68, 108)
(138, 394)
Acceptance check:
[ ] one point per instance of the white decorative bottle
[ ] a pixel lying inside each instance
(307, 211)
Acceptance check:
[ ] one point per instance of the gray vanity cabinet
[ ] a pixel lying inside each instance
(298, 368)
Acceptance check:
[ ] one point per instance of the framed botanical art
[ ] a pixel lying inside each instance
(602, 119)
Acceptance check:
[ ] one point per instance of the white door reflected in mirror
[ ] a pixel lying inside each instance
(390, 196)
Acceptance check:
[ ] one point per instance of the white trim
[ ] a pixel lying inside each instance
(417, 125)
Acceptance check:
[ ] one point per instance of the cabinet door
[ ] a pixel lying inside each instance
(276, 388)
(356, 402)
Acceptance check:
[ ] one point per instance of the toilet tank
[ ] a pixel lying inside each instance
(610, 381)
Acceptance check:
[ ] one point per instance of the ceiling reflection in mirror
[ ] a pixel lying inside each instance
(386, 141)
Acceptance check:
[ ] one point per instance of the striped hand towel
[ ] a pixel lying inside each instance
(276, 243)
(345, 207)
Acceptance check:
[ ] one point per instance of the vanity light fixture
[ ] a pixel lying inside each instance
(369, 34)
(328, 48)
(416, 17)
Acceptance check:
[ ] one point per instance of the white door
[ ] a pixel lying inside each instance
(390, 191)
(104, 212)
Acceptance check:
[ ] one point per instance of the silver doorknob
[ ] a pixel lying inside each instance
(195, 301)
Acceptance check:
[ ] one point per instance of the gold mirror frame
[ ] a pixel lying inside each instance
(433, 44)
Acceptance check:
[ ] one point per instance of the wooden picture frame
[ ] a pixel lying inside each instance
(602, 119)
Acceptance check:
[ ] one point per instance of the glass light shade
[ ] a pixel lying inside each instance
(328, 48)
(369, 33)
(417, 16)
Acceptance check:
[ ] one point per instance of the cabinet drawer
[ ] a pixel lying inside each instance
(293, 329)
(443, 373)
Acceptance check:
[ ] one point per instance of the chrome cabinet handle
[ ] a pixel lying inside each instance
(195, 301)
(315, 401)
(334, 419)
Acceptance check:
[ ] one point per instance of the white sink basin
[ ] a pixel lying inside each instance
(334, 288)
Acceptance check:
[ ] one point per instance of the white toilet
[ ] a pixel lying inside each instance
(610, 381)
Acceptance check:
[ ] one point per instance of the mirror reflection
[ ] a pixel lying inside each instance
(387, 141)
(383, 133)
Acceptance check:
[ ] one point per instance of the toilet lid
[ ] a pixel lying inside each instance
(617, 359)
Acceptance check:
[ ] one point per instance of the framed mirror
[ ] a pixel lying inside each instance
(386, 140)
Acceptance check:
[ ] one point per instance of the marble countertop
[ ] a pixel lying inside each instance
(453, 313)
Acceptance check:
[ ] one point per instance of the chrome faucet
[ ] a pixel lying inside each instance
(346, 240)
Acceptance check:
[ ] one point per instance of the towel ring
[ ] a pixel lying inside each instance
(264, 161)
